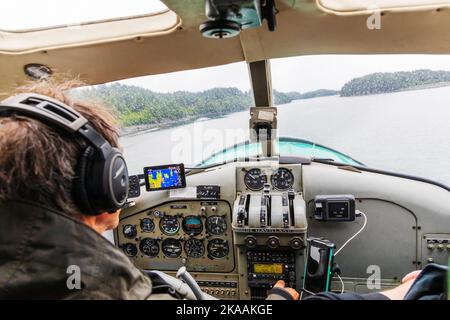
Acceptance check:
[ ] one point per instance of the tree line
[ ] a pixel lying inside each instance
(385, 82)
(138, 106)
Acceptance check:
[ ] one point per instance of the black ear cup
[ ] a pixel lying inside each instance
(80, 193)
(118, 183)
(106, 182)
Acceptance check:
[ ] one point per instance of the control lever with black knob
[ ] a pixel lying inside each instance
(241, 217)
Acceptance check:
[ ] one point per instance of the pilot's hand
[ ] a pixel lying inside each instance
(282, 285)
(398, 293)
(411, 276)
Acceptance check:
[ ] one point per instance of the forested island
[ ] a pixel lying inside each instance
(385, 82)
(139, 108)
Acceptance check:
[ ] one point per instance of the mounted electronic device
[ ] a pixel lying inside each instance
(165, 177)
(227, 18)
(334, 208)
(319, 263)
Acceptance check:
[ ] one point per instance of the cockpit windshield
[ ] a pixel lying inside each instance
(384, 111)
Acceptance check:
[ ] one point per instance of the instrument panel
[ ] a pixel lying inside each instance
(193, 233)
(240, 253)
(279, 178)
(228, 259)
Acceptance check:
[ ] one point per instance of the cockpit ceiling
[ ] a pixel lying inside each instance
(366, 6)
(176, 44)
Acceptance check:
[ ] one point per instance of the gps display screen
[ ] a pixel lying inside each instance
(164, 177)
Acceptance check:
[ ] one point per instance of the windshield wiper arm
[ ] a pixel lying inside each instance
(324, 159)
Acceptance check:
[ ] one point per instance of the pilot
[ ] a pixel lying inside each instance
(49, 247)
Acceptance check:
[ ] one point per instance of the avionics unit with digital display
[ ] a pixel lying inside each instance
(165, 177)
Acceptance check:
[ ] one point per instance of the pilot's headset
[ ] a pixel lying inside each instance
(101, 183)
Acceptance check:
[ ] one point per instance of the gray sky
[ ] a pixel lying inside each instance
(293, 74)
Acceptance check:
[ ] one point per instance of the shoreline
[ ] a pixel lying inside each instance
(151, 127)
(145, 128)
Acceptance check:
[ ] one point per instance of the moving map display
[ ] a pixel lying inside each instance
(165, 177)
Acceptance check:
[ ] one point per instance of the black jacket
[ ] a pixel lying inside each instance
(38, 245)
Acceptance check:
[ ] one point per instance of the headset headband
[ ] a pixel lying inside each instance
(55, 113)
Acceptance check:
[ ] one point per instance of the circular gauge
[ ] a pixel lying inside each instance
(254, 179)
(172, 248)
(129, 231)
(192, 225)
(282, 179)
(216, 225)
(129, 249)
(169, 225)
(147, 225)
(218, 248)
(149, 247)
(194, 248)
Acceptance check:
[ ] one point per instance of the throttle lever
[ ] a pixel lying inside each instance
(184, 275)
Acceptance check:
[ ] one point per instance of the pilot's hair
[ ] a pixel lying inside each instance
(37, 162)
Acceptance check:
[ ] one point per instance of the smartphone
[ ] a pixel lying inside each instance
(317, 275)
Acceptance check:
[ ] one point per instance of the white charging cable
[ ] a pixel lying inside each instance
(342, 283)
(347, 242)
(355, 235)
